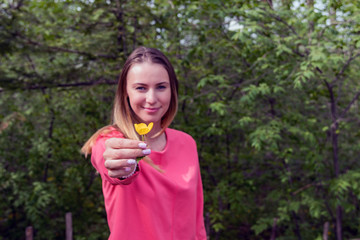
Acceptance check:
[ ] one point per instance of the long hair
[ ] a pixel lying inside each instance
(123, 117)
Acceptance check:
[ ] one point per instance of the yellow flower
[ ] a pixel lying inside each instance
(142, 128)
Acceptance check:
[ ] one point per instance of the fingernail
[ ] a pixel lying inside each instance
(142, 145)
(131, 161)
(146, 151)
(127, 169)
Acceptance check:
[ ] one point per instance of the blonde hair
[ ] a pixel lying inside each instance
(123, 117)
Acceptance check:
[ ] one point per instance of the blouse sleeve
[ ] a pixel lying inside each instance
(200, 226)
(201, 233)
(98, 161)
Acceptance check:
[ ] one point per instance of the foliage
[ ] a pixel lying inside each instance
(268, 89)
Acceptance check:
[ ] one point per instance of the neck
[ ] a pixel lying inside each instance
(155, 130)
(157, 142)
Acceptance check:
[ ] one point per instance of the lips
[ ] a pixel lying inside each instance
(151, 110)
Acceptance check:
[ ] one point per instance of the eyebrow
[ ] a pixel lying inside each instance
(144, 84)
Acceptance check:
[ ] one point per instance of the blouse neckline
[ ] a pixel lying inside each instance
(167, 143)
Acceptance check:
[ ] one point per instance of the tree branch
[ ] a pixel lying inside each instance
(332, 101)
(277, 18)
(302, 189)
(357, 95)
(65, 85)
(60, 49)
(346, 65)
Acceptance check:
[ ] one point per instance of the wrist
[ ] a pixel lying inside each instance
(135, 169)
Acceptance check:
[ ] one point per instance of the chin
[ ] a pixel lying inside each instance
(148, 120)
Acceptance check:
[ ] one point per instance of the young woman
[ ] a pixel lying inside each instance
(161, 197)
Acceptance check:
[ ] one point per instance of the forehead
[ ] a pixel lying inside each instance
(147, 71)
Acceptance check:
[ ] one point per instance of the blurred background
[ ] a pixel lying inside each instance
(269, 90)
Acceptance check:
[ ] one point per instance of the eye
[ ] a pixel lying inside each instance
(140, 88)
(161, 87)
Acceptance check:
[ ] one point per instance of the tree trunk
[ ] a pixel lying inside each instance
(121, 29)
(310, 4)
(334, 140)
(339, 222)
(297, 228)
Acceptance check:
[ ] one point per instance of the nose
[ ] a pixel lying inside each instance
(151, 97)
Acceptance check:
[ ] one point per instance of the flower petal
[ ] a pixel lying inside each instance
(142, 128)
(150, 126)
(136, 127)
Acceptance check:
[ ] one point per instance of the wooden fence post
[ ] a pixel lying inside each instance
(325, 231)
(69, 230)
(273, 231)
(29, 233)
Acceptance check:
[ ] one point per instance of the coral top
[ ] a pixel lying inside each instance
(151, 205)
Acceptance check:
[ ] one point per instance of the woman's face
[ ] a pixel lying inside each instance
(149, 92)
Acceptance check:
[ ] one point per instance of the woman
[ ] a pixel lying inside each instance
(162, 196)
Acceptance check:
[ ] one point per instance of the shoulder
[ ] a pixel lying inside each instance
(183, 146)
(178, 133)
(110, 132)
(180, 136)
(105, 134)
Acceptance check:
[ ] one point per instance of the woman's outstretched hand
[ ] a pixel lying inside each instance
(120, 156)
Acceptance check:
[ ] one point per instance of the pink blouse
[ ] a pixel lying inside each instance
(151, 205)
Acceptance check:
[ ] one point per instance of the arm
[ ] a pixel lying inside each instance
(200, 227)
(114, 159)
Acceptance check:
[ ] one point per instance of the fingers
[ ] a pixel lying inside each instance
(120, 168)
(121, 143)
(119, 164)
(120, 155)
(112, 154)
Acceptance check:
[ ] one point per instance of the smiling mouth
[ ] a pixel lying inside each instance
(151, 110)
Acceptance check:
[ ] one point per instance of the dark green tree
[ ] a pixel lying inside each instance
(267, 88)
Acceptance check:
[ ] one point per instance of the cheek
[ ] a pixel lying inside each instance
(132, 103)
(134, 98)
